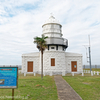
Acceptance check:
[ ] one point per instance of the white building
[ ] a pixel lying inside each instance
(55, 59)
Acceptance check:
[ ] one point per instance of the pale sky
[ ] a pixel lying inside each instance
(22, 20)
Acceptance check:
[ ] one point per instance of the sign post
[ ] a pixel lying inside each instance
(12, 94)
(9, 78)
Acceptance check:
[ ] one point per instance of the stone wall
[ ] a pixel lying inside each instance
(62, 62)
(73, 57)
(59, 61)
(30, 57)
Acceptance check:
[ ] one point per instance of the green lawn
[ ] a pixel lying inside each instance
(88, 87)
(94, 69)
(33, 88)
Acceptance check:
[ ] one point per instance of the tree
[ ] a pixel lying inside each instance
(41, 45)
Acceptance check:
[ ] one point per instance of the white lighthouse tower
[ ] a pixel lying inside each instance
(54, 55)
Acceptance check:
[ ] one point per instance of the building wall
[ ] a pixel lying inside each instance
(35, 58)
(59, 61)
(60, 48)
(62, 62)
(73, 57)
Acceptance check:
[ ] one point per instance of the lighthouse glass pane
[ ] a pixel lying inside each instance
(48, 26)
(52, 47)
(51, 26)
(55, 26)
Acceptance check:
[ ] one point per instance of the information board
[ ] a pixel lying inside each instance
(8, 77)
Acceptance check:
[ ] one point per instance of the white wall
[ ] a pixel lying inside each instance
(59, 61)
(33, 57)
(73, 57)
(62, 61)
(60, 48)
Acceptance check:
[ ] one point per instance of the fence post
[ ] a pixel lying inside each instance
(25, 74)
(34, 74)
(44, 74)
(82, 73)
(97, 73)
(91, 73)
(94, 72)
(72, 74)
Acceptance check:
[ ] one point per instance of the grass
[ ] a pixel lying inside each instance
(88, 87)
(33, 88)
(94, 69)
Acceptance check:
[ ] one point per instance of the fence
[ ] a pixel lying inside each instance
(84, 66)
(92, 66)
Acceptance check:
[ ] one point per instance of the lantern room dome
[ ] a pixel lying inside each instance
(51, 20)
(53, 30)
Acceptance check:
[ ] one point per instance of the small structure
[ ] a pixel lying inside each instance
(55, 59)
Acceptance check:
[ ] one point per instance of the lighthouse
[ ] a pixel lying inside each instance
(55, 58)
(54, 55)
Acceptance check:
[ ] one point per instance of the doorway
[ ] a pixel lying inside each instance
(74, 66)
(30, 66)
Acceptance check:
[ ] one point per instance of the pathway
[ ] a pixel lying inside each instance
(65, 91)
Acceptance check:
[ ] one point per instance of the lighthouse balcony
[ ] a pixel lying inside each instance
(57, 41)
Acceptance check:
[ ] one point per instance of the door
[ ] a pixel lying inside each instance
(30, 67)
(74, 66)
(52, 61)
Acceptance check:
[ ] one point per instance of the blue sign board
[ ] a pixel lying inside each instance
(8, 77)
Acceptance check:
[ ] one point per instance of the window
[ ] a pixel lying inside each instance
(52, 47)
(52, 61)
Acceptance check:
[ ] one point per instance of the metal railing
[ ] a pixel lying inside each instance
(57, 40)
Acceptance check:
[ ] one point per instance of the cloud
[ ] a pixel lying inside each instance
(22, 20)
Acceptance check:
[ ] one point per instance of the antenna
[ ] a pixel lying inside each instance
(86, 53)
(89, 40)
(89, 53)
